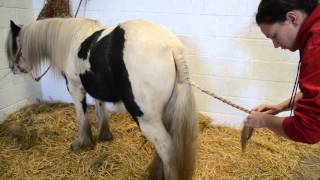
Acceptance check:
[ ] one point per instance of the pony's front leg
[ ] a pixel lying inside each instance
(85, 138)
(104, 130)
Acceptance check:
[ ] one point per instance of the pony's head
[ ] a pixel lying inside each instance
(17, 63)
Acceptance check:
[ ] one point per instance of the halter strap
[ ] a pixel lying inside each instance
(39, 77)
(18, 56)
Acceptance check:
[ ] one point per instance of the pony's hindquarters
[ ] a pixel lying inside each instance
(180, 118)
(155, 61)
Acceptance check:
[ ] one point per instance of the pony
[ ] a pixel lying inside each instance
(137, 63)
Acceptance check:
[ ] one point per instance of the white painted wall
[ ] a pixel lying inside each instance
(15, 91)
(235, 60)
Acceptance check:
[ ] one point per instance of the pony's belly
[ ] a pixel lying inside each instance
(100, 87)
(115, 107)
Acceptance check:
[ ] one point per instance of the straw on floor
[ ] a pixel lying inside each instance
(34, 144)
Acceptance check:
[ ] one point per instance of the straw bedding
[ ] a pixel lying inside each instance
(34, 144)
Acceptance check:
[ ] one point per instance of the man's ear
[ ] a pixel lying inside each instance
(294, 17)
(15, 29)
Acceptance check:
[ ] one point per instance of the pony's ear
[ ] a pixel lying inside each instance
(15, 29)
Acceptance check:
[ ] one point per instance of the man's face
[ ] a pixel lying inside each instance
(282, 34)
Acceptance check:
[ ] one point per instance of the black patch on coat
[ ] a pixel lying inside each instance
(84, 104)
(108, 78)
(87, 44)
(15, 30)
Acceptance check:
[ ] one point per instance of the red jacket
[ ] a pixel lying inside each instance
(304, 126)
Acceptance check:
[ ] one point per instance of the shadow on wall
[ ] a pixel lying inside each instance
(221, 76)
(253, 72)
(272, 71)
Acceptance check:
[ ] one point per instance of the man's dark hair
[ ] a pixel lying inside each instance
(272, 11)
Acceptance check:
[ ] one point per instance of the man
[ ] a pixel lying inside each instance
(293, 25)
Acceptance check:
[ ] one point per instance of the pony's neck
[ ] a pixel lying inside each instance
(56, 39)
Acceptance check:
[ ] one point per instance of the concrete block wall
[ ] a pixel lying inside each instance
(234, 59)
(15, 90)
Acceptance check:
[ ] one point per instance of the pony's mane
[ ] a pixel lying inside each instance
(54, 40)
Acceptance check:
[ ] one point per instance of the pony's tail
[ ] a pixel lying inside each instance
(180, 119)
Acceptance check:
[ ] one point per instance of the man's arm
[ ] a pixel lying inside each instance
(275, 109)
(264, 120)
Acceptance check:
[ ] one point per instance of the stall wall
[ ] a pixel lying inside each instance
(16, 91)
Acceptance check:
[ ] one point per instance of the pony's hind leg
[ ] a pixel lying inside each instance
(85, 138)
(156, 168)
(104, 130)
(154, 130)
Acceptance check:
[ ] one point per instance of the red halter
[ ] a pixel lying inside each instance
(18, 56)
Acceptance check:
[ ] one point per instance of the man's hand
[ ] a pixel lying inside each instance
(257, 119)
(263, 120)
(269, 109)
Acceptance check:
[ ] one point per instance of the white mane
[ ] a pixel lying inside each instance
(55, 39)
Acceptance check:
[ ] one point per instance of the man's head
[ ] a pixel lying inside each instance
(280, 20)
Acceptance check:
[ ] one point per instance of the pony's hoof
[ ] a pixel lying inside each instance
(78, 145)
(105, 136)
